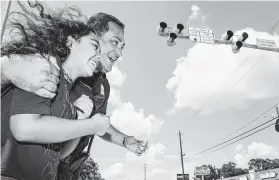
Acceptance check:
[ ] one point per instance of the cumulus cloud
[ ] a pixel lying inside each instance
(116, 77)
(255, 150)
(124, 115)
(133, 121)
(210, 73)
(158, 164)
(239, 147)
(198, 17)
(115, 170)
(195, 12)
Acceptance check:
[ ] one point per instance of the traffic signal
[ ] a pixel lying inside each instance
(178, 30)
(236, 46)
(171, 40)
(228, 36)
(161, 29)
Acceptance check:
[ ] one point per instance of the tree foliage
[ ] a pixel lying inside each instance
(90, 171)
(259, 164)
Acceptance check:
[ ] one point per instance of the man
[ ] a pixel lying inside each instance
(111, 39)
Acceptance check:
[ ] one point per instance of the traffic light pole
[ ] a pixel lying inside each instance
(181, 155)
(218, 41)
(176, 32)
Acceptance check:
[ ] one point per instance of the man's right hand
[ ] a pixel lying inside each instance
(101, 124)
(32, 73)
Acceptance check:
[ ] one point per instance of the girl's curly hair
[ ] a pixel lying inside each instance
(45, 33)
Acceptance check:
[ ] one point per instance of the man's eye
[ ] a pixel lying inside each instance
(115, 43)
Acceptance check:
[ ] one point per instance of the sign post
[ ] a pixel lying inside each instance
(201, 35)
(180, 176)
(264, 43)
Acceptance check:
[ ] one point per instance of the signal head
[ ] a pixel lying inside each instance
(228, 35)
(171, 39)
(161, 29)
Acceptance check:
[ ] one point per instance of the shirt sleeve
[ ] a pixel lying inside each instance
(24, 102)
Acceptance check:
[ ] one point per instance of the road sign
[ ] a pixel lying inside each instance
(202, 170)
(201, 35)
(264, 43)
(180, 176)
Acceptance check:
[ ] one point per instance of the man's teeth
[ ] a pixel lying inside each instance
(112, 59)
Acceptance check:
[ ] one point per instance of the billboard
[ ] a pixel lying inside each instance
(202, 170)
(180, 176)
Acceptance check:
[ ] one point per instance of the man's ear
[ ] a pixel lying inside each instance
(70, 41)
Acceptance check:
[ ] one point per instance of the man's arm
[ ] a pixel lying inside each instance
(114, 136)
(32, 73)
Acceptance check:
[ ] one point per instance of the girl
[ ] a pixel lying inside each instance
(42, 131)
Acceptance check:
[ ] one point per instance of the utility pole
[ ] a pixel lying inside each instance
(5, 19)
(144, 171)
(181, 155)
(277, 121)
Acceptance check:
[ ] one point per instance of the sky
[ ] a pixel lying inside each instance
(205, 91)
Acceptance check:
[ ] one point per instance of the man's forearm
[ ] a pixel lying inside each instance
(4, 78)
(114, 136)
(49, 129)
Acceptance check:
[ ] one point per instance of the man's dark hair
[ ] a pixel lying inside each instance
(100, 23)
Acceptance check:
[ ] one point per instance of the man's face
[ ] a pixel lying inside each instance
(111, 44)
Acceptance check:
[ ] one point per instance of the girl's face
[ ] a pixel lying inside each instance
(85, 53)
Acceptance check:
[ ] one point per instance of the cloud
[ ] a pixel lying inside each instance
(255, 150)
(198, 17)
(132, 121)
(207, 76)
(159, 171)
(116, 77)
(114, 170)
(124, 115)
(239, 147)
(158, 165)
(195, 12)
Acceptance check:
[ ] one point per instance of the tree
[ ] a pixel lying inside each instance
(90, 171)
(228, 170)
(263, 164)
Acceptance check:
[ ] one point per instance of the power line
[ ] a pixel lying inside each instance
(253, 120)
(232, 138)
(230, 76)
(273, 27)
(247, 72)
(245, 137)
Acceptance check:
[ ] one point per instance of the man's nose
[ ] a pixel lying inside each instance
(119, 52)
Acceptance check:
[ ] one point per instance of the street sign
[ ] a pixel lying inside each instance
(180, 176)
(201, 35)
(264, 43)
(202, 170)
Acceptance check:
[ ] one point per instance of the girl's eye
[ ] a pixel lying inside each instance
(96, 47)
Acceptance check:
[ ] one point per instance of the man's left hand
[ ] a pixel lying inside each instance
(136, 146)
